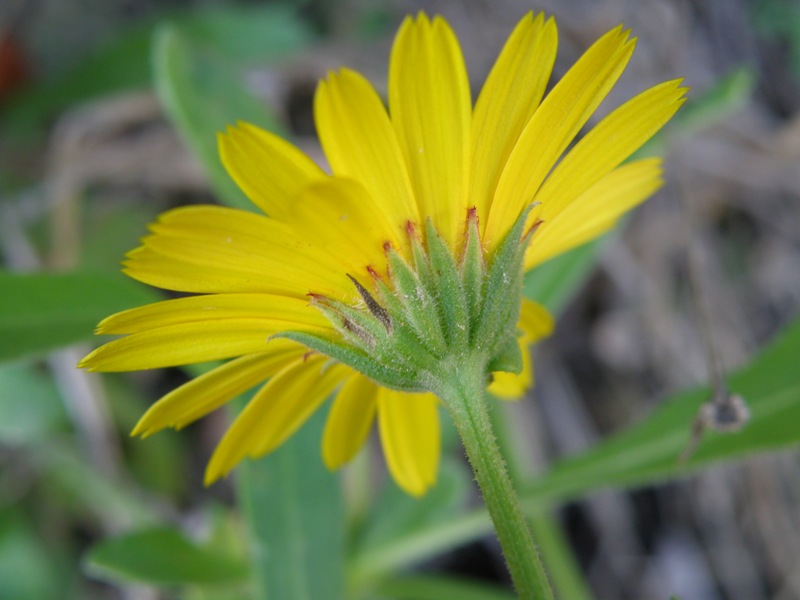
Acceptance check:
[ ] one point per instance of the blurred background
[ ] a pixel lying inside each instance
(91, 93)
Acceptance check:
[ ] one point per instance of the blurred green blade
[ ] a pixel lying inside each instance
(292, 502)
(40, 312)
(79, 483)
(426, 587)
(31, 407)
(400, 513)
(296, 519)
(202, 96)
(242, 33)
(162, 556)
(29, 567)
(553, 283)
(396, 516)
(644, 454)
(729, 94)
(649, 451)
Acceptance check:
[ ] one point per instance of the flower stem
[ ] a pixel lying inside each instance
(464, 394)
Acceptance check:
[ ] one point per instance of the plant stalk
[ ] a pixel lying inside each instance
(463, 392)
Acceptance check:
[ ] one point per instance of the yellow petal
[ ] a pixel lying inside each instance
(268, 169)
(214, 249)
(349, 421)
(553, 126)
(508, 99)
(512, 386)
(535, 321)
(211, 390)
(186, 343)
(409, 428)
(607, 145)
(276, 411)
(429, 101)
(288, 310)
(359, 142)
(339, 216)
(596, 210)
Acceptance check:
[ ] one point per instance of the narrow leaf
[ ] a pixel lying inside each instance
(162, 556)
(30, 405)
(40, 312)
(649, 451)
(644, 454)
(241, 33)
(426, 587)
(553, 283)
(202, 94)
(295, 515)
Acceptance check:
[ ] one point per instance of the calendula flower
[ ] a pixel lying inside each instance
(385, 280)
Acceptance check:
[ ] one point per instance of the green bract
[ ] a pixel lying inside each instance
(410, 328)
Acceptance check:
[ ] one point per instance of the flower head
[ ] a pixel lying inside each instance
(371, 282)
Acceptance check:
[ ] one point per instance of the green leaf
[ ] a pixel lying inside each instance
(562, 566)
(553, 283)
(40, 312)
(403, 528)
(202, 94)
(728, 95)
(108, 235)
(94, 495)
(649, 451)
(397, 513)
(295, 516)
(30, 405)
(27, 569)
(240, 33)
(644, 454)
(426, 587)
(162, 556)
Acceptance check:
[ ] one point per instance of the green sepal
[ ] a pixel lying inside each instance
(359, 328)
(404, 339)
(508, 358)
(395, 345)
(403, 376)
(473, 272)
(419, 306)
(451, 300)
(422, 265)
(503, 290)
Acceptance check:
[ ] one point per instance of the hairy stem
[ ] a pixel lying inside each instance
(463, 391)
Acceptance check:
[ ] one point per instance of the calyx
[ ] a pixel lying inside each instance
(431, 312)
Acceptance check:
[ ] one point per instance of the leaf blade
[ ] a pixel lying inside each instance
(161, 556)
(40, 312)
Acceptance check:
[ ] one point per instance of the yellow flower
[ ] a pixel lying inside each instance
(403, 241)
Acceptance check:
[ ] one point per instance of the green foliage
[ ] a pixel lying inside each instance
(440, 588)
(295, 514)
(300, 547)
(782, 19)
(40, 312)
(241, 34)
(27, 570)
(648, 452)
(556, 281)
(162, 556)
(30, 405)
(400, 515)
(203, 93)
(644, 454)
